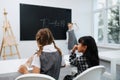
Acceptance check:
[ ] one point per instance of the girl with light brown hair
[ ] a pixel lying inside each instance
(47, 60)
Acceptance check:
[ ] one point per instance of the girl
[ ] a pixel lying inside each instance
(47, 60)
(89, 56)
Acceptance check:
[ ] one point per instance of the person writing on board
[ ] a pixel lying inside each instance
(47, 60)
(89, 58)
(71, 38)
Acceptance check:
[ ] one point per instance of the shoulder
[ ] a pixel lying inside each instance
(50, 56)
(50, 53)
(82, 58)
(36, 58)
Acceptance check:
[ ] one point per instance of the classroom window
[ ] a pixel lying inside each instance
(106, 21)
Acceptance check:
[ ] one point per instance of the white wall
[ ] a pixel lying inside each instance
(81, 14)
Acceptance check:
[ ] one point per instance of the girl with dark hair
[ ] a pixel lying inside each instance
(87, 46)
(47, 60)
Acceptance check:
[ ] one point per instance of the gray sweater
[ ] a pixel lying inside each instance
(71, 39)
(51, 63)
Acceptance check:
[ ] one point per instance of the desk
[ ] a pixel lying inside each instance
(114, 58)
(9, 68)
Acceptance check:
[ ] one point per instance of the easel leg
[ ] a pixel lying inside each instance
(4, 56)
(17, 52)
(11, 51)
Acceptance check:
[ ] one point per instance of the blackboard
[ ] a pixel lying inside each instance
(34, 17)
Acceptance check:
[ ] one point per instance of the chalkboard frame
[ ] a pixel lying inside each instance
(35, 17)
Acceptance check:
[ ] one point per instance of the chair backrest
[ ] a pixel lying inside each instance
(34, 77)
(93, 73)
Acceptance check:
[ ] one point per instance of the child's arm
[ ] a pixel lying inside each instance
(73, 58)
(24, 67)
(29, 61)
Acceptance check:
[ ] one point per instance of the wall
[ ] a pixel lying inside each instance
(81, 15)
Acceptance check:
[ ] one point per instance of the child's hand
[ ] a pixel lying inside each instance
(74, 48)
(70, 25)
(23, 69)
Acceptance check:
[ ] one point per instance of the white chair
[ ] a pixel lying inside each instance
(93, 73)
(34, 77)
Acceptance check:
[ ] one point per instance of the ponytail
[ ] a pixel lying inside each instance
(40, 50)
(57, 48)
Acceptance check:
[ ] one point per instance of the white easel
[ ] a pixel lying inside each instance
(8, 40)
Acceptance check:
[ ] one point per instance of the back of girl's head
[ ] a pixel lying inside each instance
(44, 37)
(89, 42)
(92, 51)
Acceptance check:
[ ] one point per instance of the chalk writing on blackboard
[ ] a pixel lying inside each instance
(47, 22)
